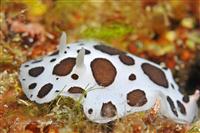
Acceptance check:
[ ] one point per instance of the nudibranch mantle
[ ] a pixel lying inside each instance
(115, 83)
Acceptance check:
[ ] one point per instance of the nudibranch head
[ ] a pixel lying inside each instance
(115, 83)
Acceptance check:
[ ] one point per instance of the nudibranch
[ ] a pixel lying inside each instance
(114, 83)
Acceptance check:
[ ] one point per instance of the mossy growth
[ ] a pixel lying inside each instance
(68, 111)
(107, 32)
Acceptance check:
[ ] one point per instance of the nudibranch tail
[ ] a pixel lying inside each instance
(191, 108)
(196, 95)
(181, 109)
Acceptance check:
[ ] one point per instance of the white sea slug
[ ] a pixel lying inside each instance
(116, 83)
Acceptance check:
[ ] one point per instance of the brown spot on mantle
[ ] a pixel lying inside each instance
(76, 89)
(172, 106)
(155, 74)
(32, 86)
(108, 110)
(108, 50)
(181, 107)
(36, 71)
(136, 98)
(45, 90)
(103, 71)
(132, 77)
(64, 67)
(127, 60)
